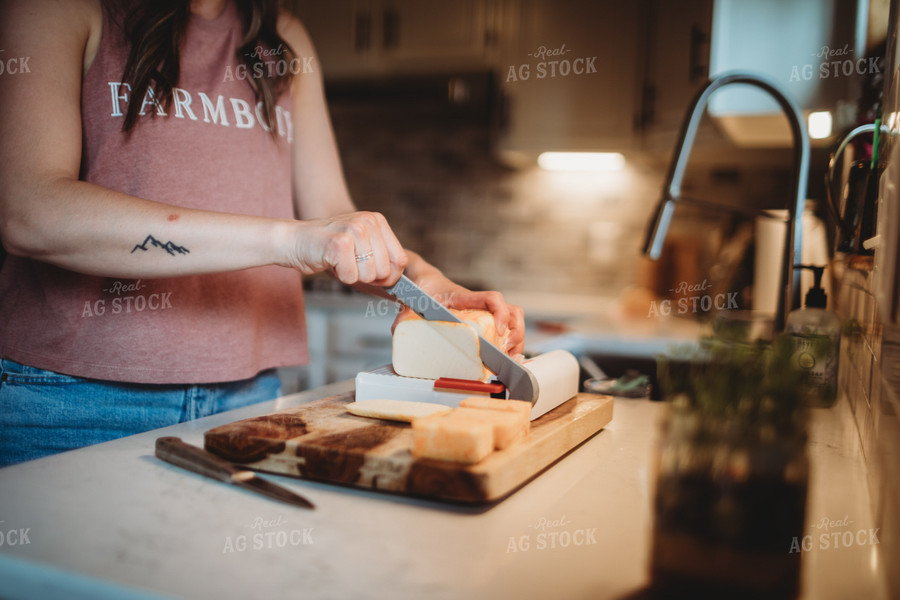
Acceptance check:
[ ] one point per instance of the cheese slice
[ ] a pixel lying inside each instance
(396, 410)
(444, 437)
(435, 349)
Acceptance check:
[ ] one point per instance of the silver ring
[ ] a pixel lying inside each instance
(364, 257)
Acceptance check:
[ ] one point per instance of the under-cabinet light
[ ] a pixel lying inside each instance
(581, 161)
(819, 125)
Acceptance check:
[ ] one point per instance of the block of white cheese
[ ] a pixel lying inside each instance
(435, 349)
(396, 410)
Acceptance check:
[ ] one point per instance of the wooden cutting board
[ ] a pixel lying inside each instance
(323, 442)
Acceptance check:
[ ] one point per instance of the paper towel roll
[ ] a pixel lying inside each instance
(770, 234)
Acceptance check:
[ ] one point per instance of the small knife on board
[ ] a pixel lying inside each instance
(181, 454)
(520, 382)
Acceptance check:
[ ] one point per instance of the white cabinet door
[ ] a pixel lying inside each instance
(342, 31)
(571, 76)
(356, 38)
(813, 49)
(677, 66)
(436, 33)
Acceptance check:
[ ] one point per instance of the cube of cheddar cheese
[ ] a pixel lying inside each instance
(469, 433)
(445, 437)
(509, 427)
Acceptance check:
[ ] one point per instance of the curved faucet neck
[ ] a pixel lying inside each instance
(789, 289)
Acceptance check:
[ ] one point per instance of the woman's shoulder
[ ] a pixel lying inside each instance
(294, 33)
(42, 24)
(51, 12)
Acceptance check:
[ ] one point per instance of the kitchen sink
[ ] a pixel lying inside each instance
(620, 348)
(616, 366)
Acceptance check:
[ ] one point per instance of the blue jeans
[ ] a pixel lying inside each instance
(44, 412)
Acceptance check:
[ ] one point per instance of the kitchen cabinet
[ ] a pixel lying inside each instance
(643, 63)
(358, 38)
(676, 67)
(651, 57)
(574, 74)
(570, 77)
(813, 49)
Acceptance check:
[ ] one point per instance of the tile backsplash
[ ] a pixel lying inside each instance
(487, 225)
(870, 380)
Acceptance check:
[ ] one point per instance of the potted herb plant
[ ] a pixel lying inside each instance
(732, 470)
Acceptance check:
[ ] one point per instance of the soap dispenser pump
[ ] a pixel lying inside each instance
(816, 335)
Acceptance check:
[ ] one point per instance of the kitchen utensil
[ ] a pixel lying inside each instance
(173, 450)
(384, 383)
(520, 382)
(546, 381)
(322, 441)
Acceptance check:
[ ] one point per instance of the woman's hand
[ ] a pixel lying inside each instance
(356, 247)
(508, 317)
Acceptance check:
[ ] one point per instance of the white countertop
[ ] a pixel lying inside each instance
(111, 519)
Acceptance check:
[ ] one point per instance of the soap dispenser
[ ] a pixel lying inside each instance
(816, 335)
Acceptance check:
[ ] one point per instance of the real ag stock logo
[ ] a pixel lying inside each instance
(552, 62)
(125, 299)
(841, 65)
(551, 534)
(13, 536)
(834, 534)
(276, 66)
(15, 65)
(267, 534)
(691, 299)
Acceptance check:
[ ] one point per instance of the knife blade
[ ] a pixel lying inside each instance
(181, 454)
(520, 382)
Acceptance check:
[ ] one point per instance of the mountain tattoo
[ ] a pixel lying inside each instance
(169, 247)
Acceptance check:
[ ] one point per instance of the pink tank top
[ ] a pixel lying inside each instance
(209, 152)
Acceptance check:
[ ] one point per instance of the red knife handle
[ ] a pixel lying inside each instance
(468, 385)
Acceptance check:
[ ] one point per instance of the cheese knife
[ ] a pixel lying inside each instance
(520, 382)
(173, 450)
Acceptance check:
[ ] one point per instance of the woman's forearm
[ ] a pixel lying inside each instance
(89, 229)
(93, 230)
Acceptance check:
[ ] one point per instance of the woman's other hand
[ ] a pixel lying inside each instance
(508, 317)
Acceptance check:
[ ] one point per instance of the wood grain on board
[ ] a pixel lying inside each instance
(322, 441)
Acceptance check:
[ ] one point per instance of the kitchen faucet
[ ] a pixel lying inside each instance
(846, 231)
(789, 284)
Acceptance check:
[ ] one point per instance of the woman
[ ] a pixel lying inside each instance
(167, 174)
